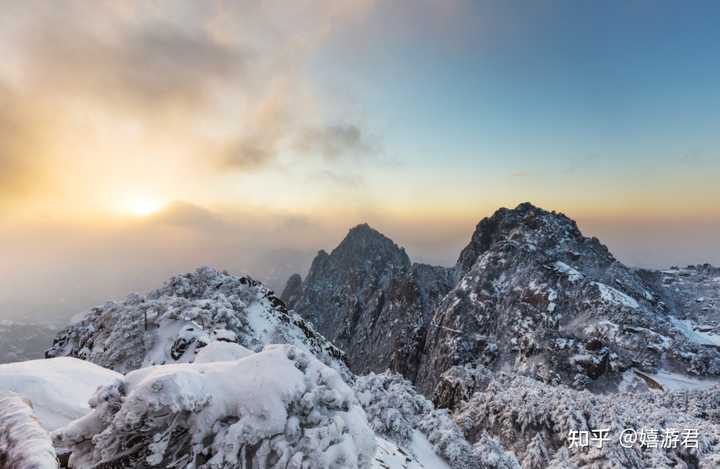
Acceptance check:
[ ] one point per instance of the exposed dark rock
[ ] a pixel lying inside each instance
(372, 301)
(292, 291)
(529, 293)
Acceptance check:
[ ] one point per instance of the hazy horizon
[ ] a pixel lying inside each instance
(143, 139)
(73, 269)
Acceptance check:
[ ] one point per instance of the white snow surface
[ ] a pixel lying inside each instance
(59, 388)
(679, 382)
(419, 455)
(24, 443)
(572, 274)
(220, 351)
(687, 327)
(613, 296)
(280, 408)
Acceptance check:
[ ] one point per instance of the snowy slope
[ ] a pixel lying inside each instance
(58, 388)
(420, 455)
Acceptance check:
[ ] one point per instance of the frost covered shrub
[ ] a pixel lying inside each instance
(534, 420)
(24, 444)
(171, 324)
(395, 410)
(700, 403)
(392, 405)
(277, 409)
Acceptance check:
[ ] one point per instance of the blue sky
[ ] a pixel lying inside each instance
(498, 88)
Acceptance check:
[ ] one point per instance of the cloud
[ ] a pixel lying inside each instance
(338, 179)
(246, 154)
(336, 141)
(151, 67)
(194, 88)
(22, 155)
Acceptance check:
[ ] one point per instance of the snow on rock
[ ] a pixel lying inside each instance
(24, 443)
(420, 455)
(572, 274)
(365, 282)
(613, 296)
(59, 388)
(677, 382)
(171, 324)
(221, 352)
(529, 286)
(689, 330)
(279, 408)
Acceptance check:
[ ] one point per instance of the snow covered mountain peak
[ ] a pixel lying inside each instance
(536, 295)
(170, 324)
(531, 228)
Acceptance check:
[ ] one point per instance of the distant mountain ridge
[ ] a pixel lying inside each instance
(529, 292)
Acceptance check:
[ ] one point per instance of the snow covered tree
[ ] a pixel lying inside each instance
(536, 455)
(277, 409)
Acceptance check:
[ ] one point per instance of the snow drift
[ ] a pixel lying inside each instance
(58, 388)
(280, 408)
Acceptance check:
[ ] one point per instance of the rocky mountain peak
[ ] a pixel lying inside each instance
(364, 245)
(525, 225)
(368, 281)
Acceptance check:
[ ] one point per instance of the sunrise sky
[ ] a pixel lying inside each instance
(140, 139)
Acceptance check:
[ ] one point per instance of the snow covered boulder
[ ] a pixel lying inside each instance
(280, 408)
(59, 388)
(24, 443)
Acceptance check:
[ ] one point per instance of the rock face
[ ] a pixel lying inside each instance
(371, 301)
(293, 290)
(529, 293)
(535, 295)
(170, 324)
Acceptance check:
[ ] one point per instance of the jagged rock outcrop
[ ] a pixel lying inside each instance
(170, 324)
(370, 300)
(535, 295)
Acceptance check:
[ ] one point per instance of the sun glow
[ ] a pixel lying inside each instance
(142, 205)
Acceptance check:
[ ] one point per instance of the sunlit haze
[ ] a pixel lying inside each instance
(142, 139)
